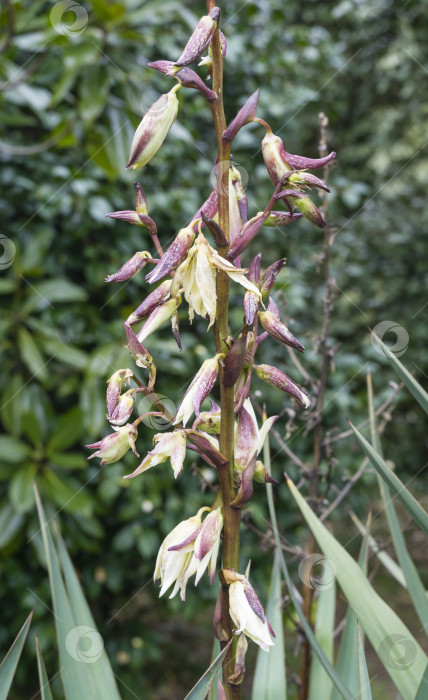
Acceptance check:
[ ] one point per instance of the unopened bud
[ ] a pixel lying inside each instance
(114, 386)
(150, 303)
(131, 267)
(173, 256)
(123, 409)
(271, 323)
(199, 388)
(270, 276)
(262, 476)
(141, 356)
(307, 180)
(249, 231)
(153, 129)
(209, 421)
(140, 200)
(200, 38)
(276, 378)
(310, 211)
(281, 218)
(234, 360)
(112, 448)
(245, 115)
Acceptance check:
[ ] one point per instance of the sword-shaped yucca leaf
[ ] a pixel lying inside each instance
(413, 386)
(381, 624)
(202, 687)
(320, 685)
(269, 678)
(419, 515)
(10, 661)
(347, 661)
(45, 691)
(365, 690)
(340, 685)
(101, 672)
(413, 582)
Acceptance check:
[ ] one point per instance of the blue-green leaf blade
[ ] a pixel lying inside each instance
(10, 661)
(202, 687)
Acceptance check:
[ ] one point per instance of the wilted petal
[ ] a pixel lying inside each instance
(157, 318)
(141, 356)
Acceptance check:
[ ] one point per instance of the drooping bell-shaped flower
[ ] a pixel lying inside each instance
(200, 39)
(249, 440)
(246, 610)
(205, 550)
(131, 267)
(153, 129)
(197, 276)
(123, 409)
(171, 564)
(271, 323)
(114, 387)
(170, 446)
(274, 377)
(200, 386)
(112, 448)
(173, 256)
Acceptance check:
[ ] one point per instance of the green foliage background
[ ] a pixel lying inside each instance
(69, 107)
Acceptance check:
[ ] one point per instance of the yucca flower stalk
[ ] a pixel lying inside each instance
(195, 271)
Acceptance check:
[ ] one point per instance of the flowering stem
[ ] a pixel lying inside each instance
(232, 516)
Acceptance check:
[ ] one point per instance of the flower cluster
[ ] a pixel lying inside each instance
(191, 270)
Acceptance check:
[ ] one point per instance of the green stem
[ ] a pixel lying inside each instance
(232, 516)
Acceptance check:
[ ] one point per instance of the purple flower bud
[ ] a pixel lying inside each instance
(245, 115)
(245, 440)
(150, 303)
(199, 388)
(112, 448)
(276, 378)
(271, 323)
(234, 361)
(166, 67)
(254, 269)
(173, 256)
(270, 276)
(153, 129)
(141, 356)
(302, 163)
(128, 215)
(278, 161)
(250, 231)
(238, 204)
(251, 306)
(281, 218)
(131, 267)
(200, 39)
(176, 330)
(217, 233)
(307, 180)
